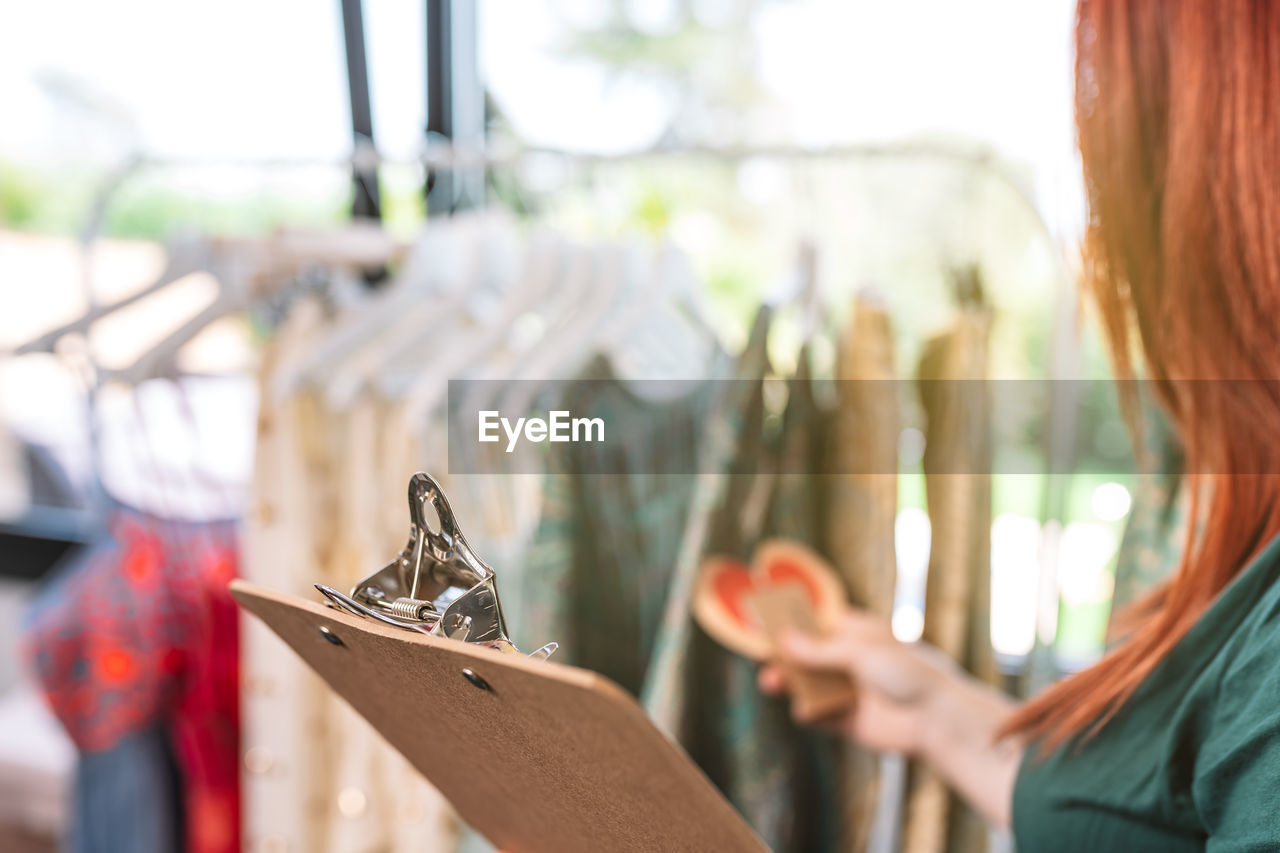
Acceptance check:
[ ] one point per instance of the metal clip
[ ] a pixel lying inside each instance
(437, 584)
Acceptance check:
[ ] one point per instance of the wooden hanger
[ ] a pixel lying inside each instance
(186, 255)
(423, 271)
(455, 270)
(497, 356)
(493, 357)
(591, 288)
(435, 331)
(249, 271)
(245, 270)
(660, 339)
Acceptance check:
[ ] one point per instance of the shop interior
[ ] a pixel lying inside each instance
(253, 256)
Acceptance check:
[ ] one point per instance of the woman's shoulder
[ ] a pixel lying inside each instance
(1237, 767)
(1256, 605)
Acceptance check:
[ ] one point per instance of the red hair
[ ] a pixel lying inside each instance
(1178, 116)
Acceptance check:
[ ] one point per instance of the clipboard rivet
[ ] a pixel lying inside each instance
(330, 636)
(476, 680)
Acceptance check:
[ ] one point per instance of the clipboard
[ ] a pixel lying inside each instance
(537, 756)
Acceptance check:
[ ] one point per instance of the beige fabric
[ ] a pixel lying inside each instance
(863, 510)
(317, 776)
(280, 713)
(958, 591)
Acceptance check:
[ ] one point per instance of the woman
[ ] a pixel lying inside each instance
(1172, 741)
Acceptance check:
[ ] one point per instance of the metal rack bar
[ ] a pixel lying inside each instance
(367, 203)
(455, 105)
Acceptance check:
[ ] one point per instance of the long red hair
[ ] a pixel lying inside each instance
(1178, 116)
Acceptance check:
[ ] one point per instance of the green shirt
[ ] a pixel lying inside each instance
(1192, 761)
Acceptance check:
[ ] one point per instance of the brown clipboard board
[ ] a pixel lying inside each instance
(536, 756)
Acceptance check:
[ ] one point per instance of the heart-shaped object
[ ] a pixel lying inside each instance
(722, 598)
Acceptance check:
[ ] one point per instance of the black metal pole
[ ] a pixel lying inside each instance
(439, 186)
(455, 102)
(367, 203)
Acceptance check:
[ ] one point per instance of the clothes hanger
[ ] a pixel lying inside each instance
(592, 283)
(795, 292)
(613, 292)
(431, 335)
(687, 307)
(648, 292)
(573, 302)
(250, 271)
(688, 296)
(186, 255)
(461, 285)
(809, 297)
(661, 341)
(356, 244)
(236, 268)
(426, 267)
(494, 357)
(363, 319)
(520, 329)
(565, 299)
(542, 261)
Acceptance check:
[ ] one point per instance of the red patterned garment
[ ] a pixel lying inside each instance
(144, 632)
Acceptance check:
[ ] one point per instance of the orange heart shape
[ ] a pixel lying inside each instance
(720, 600)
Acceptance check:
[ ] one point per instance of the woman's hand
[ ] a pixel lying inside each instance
(896, 682)
(911, 698)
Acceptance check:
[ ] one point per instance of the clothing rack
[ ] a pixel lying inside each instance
(455, 105)
(41, 538)
(438, 152)
(438, 155)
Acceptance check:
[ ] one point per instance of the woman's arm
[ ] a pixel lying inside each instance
(912, 699)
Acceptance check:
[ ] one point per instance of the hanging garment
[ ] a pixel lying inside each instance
(615, 561)
(739, 737)
(727, 430)
(861, 513)
(318, 777)
(602, 561)
(784, 778)
(140, 637)
(957, 617)
(797, 511)
(863, 486)
(282, 723)
(128, 797)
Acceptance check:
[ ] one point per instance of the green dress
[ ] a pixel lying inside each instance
(1192, 761)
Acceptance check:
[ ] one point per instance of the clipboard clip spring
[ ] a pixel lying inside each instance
(436, 585)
